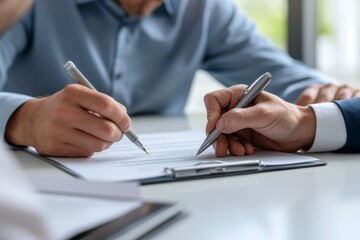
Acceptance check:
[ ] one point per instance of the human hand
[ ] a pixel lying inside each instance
(326, 93)
(268, 123)
(11, 11)
(74, 122)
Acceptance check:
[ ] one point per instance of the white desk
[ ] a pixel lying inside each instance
(308, 203)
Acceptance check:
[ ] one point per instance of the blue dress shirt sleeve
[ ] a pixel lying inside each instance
(12, 43)
(237, 53)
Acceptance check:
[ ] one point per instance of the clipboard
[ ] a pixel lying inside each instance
(209, 169)
(222, 169)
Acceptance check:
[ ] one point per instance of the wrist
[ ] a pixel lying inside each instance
(20, 124)
(308, 127)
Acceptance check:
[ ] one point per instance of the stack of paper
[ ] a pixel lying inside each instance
(75, 207)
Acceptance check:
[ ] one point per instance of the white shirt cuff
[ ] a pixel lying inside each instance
(330, 128)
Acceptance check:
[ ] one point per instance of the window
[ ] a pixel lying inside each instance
(271, 19)
(338, 41)
(329, 38)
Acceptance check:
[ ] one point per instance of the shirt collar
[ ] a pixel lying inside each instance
(169, 5)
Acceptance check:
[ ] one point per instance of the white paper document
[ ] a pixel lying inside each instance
(123, 161)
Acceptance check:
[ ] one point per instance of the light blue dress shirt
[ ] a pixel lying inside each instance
(147, 63)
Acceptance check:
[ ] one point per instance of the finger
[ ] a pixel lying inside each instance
(76, 151)
(356, 94)
(65, 150)
(240, 147)
(249, 148)
(327, 93)
(266, 110)
(236, 147)
(71, 143)
(308, 96)
(241, 118)
(101, 128)
(224, 98)
(222, 146)
(212, 118)
(219, 101)
(86, 141)
(99, 103)
(214, 103)
(344, 92)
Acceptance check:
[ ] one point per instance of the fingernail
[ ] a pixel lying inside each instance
(220, 124)
(127, 127)
(212, 115)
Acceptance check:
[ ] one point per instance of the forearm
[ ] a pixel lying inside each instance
(11, 11)
(11, 43)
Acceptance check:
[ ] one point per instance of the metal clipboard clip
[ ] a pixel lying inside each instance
(215, 167)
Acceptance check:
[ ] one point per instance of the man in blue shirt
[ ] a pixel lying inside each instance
(141, 55)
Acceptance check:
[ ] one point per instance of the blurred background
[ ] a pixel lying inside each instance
(325, 34)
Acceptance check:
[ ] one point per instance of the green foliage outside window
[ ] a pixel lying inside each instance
(325, 27)
(271, 18)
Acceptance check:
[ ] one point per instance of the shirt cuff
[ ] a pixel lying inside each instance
(330, 128)
(9, 103)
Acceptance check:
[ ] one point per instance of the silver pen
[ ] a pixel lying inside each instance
(250, 93)
(81, 79)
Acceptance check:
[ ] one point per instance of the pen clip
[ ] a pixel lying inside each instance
(214, 167)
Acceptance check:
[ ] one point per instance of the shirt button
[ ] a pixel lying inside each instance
(118, 76)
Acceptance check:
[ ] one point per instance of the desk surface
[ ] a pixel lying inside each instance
(308, 203)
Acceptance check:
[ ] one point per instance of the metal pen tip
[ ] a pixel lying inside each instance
(203, 147)
(139, 145)
(200, 151)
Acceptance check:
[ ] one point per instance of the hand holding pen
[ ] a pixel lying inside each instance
(60, 125)
(231, 99)
(81, 79)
